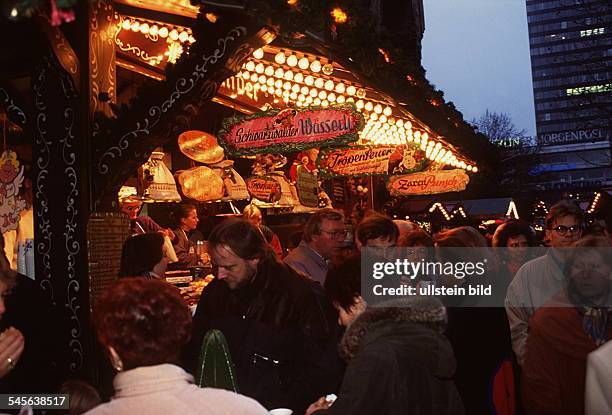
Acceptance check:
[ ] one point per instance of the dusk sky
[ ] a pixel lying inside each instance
(477, 52)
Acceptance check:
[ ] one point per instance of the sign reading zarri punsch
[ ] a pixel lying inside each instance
(370, 160)
(290, 129)
(429, 182)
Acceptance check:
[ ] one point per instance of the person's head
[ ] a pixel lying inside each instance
(142, 322)
(405, 227)
(515, 235)
(421, 243)
(131, 207)
(236, 248)
(143, 253)
(343, 288)
(83, 396)
(325, 232)
(589, 268)
(376, 231)
(187, 216)
(463, 236)
(252, 214)
(564, 224)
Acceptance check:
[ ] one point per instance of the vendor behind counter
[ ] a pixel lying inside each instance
(186, 217)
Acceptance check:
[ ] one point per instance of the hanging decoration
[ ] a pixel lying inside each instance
(290, 129)
(11, 179)
(200, 146)
(201, 184)
(431, 182)
(305, 160)
(264, 189)
(234, 187)
(370, 160)
(307, 187)
(157, 181)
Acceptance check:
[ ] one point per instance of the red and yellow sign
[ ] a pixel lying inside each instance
(290, 129)
(430, 182)
(264, 189)
(370, 160)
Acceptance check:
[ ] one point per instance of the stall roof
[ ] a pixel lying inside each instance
(482, 207)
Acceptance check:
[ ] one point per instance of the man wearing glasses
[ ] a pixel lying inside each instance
(538, 280)
(323, 236)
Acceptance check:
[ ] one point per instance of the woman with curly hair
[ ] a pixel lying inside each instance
(143, 325)
(515, 236)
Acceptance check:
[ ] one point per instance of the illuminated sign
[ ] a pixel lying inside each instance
(567, 137)
(430, 182)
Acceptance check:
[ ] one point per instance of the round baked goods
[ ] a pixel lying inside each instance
(200, 146)
(201, 183)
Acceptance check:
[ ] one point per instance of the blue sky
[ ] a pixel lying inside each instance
(477, 52)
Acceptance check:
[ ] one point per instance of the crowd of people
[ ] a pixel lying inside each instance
(298, 326)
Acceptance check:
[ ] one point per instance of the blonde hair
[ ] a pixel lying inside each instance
(250, 211)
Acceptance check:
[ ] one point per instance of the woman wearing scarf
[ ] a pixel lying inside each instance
(575, 323)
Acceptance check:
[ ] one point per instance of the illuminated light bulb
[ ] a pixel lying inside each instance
(368, 106)
(322, 95)
(298, 77)
(324, 103)
(264, 88)
(361, 93)
(408, 125)
(287, 86)
(286, 94)
(270, 82)
(373, 116)
(387, 111)
(280, 58)
(319, 83)
(351, 90)
(192, 39)
(329, 85)
(259, 68)
(308, 100)
(378, 109)
(293, 96)
(399, 122)
(340, 99)
(331, 97)
(462, 164)
(313, 93)
(144, 28)
(262, 79)
(258, 54)
(424, 138)
(288, 75)
(279, 72)
(383, 118)
(340, 88)
(254, 77)
(250, 66)
(292, 60)
(350, 99)
(475, 169)
(299, 104)
(174, 34)
(183, 37)
(309, 80)
(316, 101)
(304, 90)
(295, 88)
(469, 168)
(135, 26)
(278, 83)
(245, 75)
(126, 24)
(269, 70)
(154, 30)
(315, 66)
(359, 104)
(163, 32)
(301, 97)
(303, 63)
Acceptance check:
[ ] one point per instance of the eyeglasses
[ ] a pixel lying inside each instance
(562, 230)
(336, 234)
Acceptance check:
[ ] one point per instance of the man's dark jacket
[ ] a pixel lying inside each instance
(281, 333)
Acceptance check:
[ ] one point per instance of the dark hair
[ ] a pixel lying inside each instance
(182, 211)
(562, 209)
(463, 236)
(343, 282)
(599, 244)
(146, 321)
(511, 229)
(82, 396)
(244, 238)
(313, 226)
(376, 226)
(141, 253)
(415, 238)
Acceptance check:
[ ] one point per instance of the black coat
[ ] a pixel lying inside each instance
(396, 367)
(280, 331)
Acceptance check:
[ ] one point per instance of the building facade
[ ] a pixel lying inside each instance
(571, 60)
